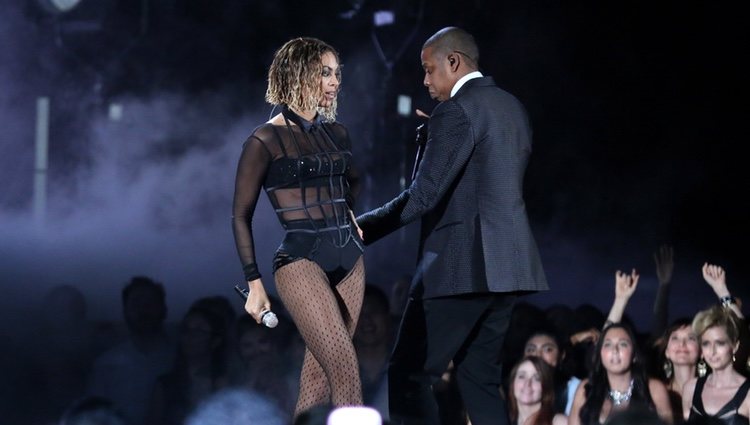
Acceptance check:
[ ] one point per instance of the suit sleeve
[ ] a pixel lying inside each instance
(450, 143)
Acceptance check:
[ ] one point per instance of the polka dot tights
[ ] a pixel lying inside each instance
(326, 317)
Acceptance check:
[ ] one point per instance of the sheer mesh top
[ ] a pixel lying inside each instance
(304, 169)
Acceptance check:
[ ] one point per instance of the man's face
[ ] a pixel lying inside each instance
(438, 76)
(144, 311)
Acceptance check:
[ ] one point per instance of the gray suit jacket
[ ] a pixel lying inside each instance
(475, 234)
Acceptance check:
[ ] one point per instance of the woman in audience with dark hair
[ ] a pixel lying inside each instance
(548, 345)
(198, 372)
(721, 394)
(531, 394)
(678, 351)
(617, 382)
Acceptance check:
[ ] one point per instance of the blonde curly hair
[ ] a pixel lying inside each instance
(295, 74)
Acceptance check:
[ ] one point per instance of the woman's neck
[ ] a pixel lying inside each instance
(525, 411)
(306, 115)
(682, 374)
(619, 382)
(724, 377)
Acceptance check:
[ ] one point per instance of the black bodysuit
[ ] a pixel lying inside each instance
(306, 172)
(727, 414)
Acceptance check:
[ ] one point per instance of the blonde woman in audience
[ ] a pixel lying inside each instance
(723, 393)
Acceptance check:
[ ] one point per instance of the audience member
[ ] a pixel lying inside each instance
(679, 351)
(617, 381)
(199, 368)
(373, 341)
(553, 349)
(264, 363)
(126, 373)
(236, 406)
(531, 394)
(92, 411)
(61, 350)
(721, 393)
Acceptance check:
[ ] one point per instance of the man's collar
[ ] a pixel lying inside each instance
(463, 80)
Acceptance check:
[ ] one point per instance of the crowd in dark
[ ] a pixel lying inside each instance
(218, 366)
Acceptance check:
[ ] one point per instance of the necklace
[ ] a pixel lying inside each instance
(618, 397)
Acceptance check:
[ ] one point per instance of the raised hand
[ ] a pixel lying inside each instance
(715, 277)
(664, 259)
(625, 284)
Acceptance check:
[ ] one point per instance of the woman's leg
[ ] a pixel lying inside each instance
(326, 321)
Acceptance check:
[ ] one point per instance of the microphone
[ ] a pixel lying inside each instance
(267, 317)
(420, 141)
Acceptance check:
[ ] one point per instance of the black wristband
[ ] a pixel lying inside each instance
(727, 301)
(251, 272)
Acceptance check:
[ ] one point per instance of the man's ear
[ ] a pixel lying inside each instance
(454, 61)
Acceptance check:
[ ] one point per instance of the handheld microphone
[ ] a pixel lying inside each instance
(267, 317)
(420, 141)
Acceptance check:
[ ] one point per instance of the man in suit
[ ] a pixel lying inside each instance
(477, 252)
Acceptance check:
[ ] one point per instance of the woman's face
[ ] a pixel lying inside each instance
(716, 347)
(254, 346)
(617, 351)
(682, 346)
(527, 384)
(545, 347)
(197, 336)
(330, 80)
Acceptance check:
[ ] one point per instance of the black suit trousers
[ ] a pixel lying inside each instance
(467, 329)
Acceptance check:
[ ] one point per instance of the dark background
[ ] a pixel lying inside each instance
(636, 111)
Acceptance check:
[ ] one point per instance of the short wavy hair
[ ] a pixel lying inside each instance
(295, 73)
(717, 316)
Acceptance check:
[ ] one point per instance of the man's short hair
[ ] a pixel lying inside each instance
(454, 39)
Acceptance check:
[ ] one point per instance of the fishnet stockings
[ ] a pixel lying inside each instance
(326, 318)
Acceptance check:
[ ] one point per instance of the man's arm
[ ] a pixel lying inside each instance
(449, 146)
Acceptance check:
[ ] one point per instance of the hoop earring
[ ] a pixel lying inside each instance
(702, 368)
(668, 370)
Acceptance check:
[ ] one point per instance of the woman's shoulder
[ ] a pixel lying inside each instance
(337, 127)
(656, 383)
(559, 419)
(658, 389)
(262, 133)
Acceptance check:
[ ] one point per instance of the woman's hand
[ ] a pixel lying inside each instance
(591, 335)
(625, 284)
(359, 230)
(664, 259)
(716, 278)
(257, 300)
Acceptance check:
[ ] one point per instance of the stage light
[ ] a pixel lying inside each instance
(59, 6)
(383, 18)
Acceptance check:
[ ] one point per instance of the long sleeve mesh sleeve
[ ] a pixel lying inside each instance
(251, 171)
